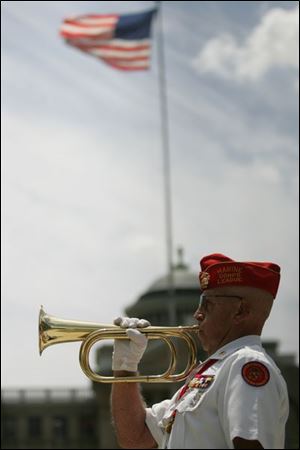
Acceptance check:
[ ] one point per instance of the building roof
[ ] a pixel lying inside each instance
(182, 278)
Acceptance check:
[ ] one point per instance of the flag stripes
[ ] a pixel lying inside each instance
(122, 41)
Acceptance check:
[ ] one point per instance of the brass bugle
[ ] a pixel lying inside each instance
(53, 330)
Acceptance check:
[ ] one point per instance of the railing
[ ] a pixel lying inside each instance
(48, 443)
(10, 395)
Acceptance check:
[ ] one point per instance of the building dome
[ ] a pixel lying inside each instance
(183, 278)
(180, 279)
(169, 299)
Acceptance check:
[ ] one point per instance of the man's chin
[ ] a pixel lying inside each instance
(202, 340)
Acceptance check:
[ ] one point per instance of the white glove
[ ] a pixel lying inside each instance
(128, 353)
(131, 322)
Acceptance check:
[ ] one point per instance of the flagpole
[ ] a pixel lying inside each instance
(166, 163)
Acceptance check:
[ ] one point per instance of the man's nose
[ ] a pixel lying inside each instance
(199, 315)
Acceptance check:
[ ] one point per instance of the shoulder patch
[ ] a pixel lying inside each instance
(255, 373)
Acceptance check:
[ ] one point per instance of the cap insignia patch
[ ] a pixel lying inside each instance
(204, 280)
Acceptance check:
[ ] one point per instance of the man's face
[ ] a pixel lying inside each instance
(215, 317)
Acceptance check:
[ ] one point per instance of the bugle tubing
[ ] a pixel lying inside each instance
(53, 330)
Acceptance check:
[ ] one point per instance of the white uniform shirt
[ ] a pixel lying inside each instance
(242, 394)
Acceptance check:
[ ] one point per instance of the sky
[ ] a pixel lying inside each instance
(83, 218)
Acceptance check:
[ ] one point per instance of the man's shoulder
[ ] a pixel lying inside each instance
(252, 354)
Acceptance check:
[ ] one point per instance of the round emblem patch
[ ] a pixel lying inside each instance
(255, 373)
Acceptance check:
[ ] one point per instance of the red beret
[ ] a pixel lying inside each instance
(220, 271)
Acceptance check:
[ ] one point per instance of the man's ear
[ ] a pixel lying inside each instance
(242, 313)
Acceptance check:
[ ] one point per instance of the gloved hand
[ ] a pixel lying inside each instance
(128, 353)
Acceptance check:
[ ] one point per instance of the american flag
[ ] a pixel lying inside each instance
(122, 41)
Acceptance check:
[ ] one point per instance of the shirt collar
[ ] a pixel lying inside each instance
(232, 346)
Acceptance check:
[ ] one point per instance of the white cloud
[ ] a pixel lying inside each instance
(272, 44)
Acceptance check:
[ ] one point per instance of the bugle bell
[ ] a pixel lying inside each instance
(53, 330)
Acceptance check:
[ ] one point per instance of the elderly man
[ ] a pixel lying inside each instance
(237, 398)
